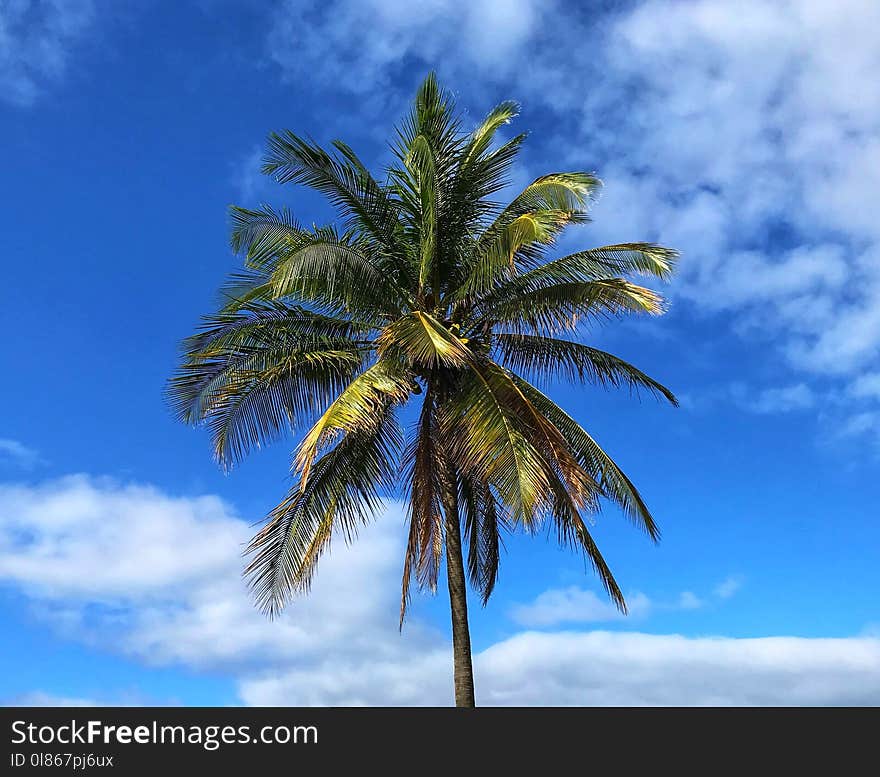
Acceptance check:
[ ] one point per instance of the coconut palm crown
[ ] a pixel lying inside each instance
(427, 291)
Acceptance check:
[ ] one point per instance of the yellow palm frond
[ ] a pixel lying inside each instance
(355, 409)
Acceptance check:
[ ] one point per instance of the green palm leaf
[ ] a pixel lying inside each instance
(264, 235)
(547, 357)
(484, 522)
(425, 542)
(615, 485)
(386, 382)
(332, 270)
(341, 494)
(529, 304)
(423, 342)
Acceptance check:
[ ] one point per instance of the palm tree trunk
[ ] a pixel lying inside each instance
(461, 637)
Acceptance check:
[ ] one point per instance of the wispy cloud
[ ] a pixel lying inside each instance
(251, 185)
(401, 32)
(862, 426)
(767, 196)
(688, 600)
(729, 587)
(575, 605)
(765, 400)
(866, 386)
(36, 39)
(19, 454)
(558, 606)
(43, 699)
(782, 399)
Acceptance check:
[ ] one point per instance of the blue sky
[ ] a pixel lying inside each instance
(739, 133)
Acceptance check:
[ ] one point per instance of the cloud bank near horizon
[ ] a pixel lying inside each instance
(156, 578)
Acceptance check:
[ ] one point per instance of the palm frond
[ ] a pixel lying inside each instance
(420, 160)
(364, 205)
(522, 239)
(330, 269)
(432, 118)
(572, 531)
(566, 191)
(253, 375)
(495, 435)
(484, 522)
(621, 259)
(425, 542)
(482, 170)
(520, 233)
(423, 342)
(341, 494)
(480, 140)
(263, 321)
(263, 235)
(547, 357)
(615, 485)
(531, 303)
(356, 408)
(257, 394)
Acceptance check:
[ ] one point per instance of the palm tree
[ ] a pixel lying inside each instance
(427, 288)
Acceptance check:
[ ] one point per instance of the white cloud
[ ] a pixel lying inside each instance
(575, 605)
(156, 578)
(867, 386)
(94, 539)
(36, 37)
(249, 182)
(782, 399)
(557, 606)
(638, 669)
(603, 668)
(751, 148)
(728, 587)
(43, 699)
(324, 42)
(751, 123)
(688, 600)
(865, 425)
(18, 453)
